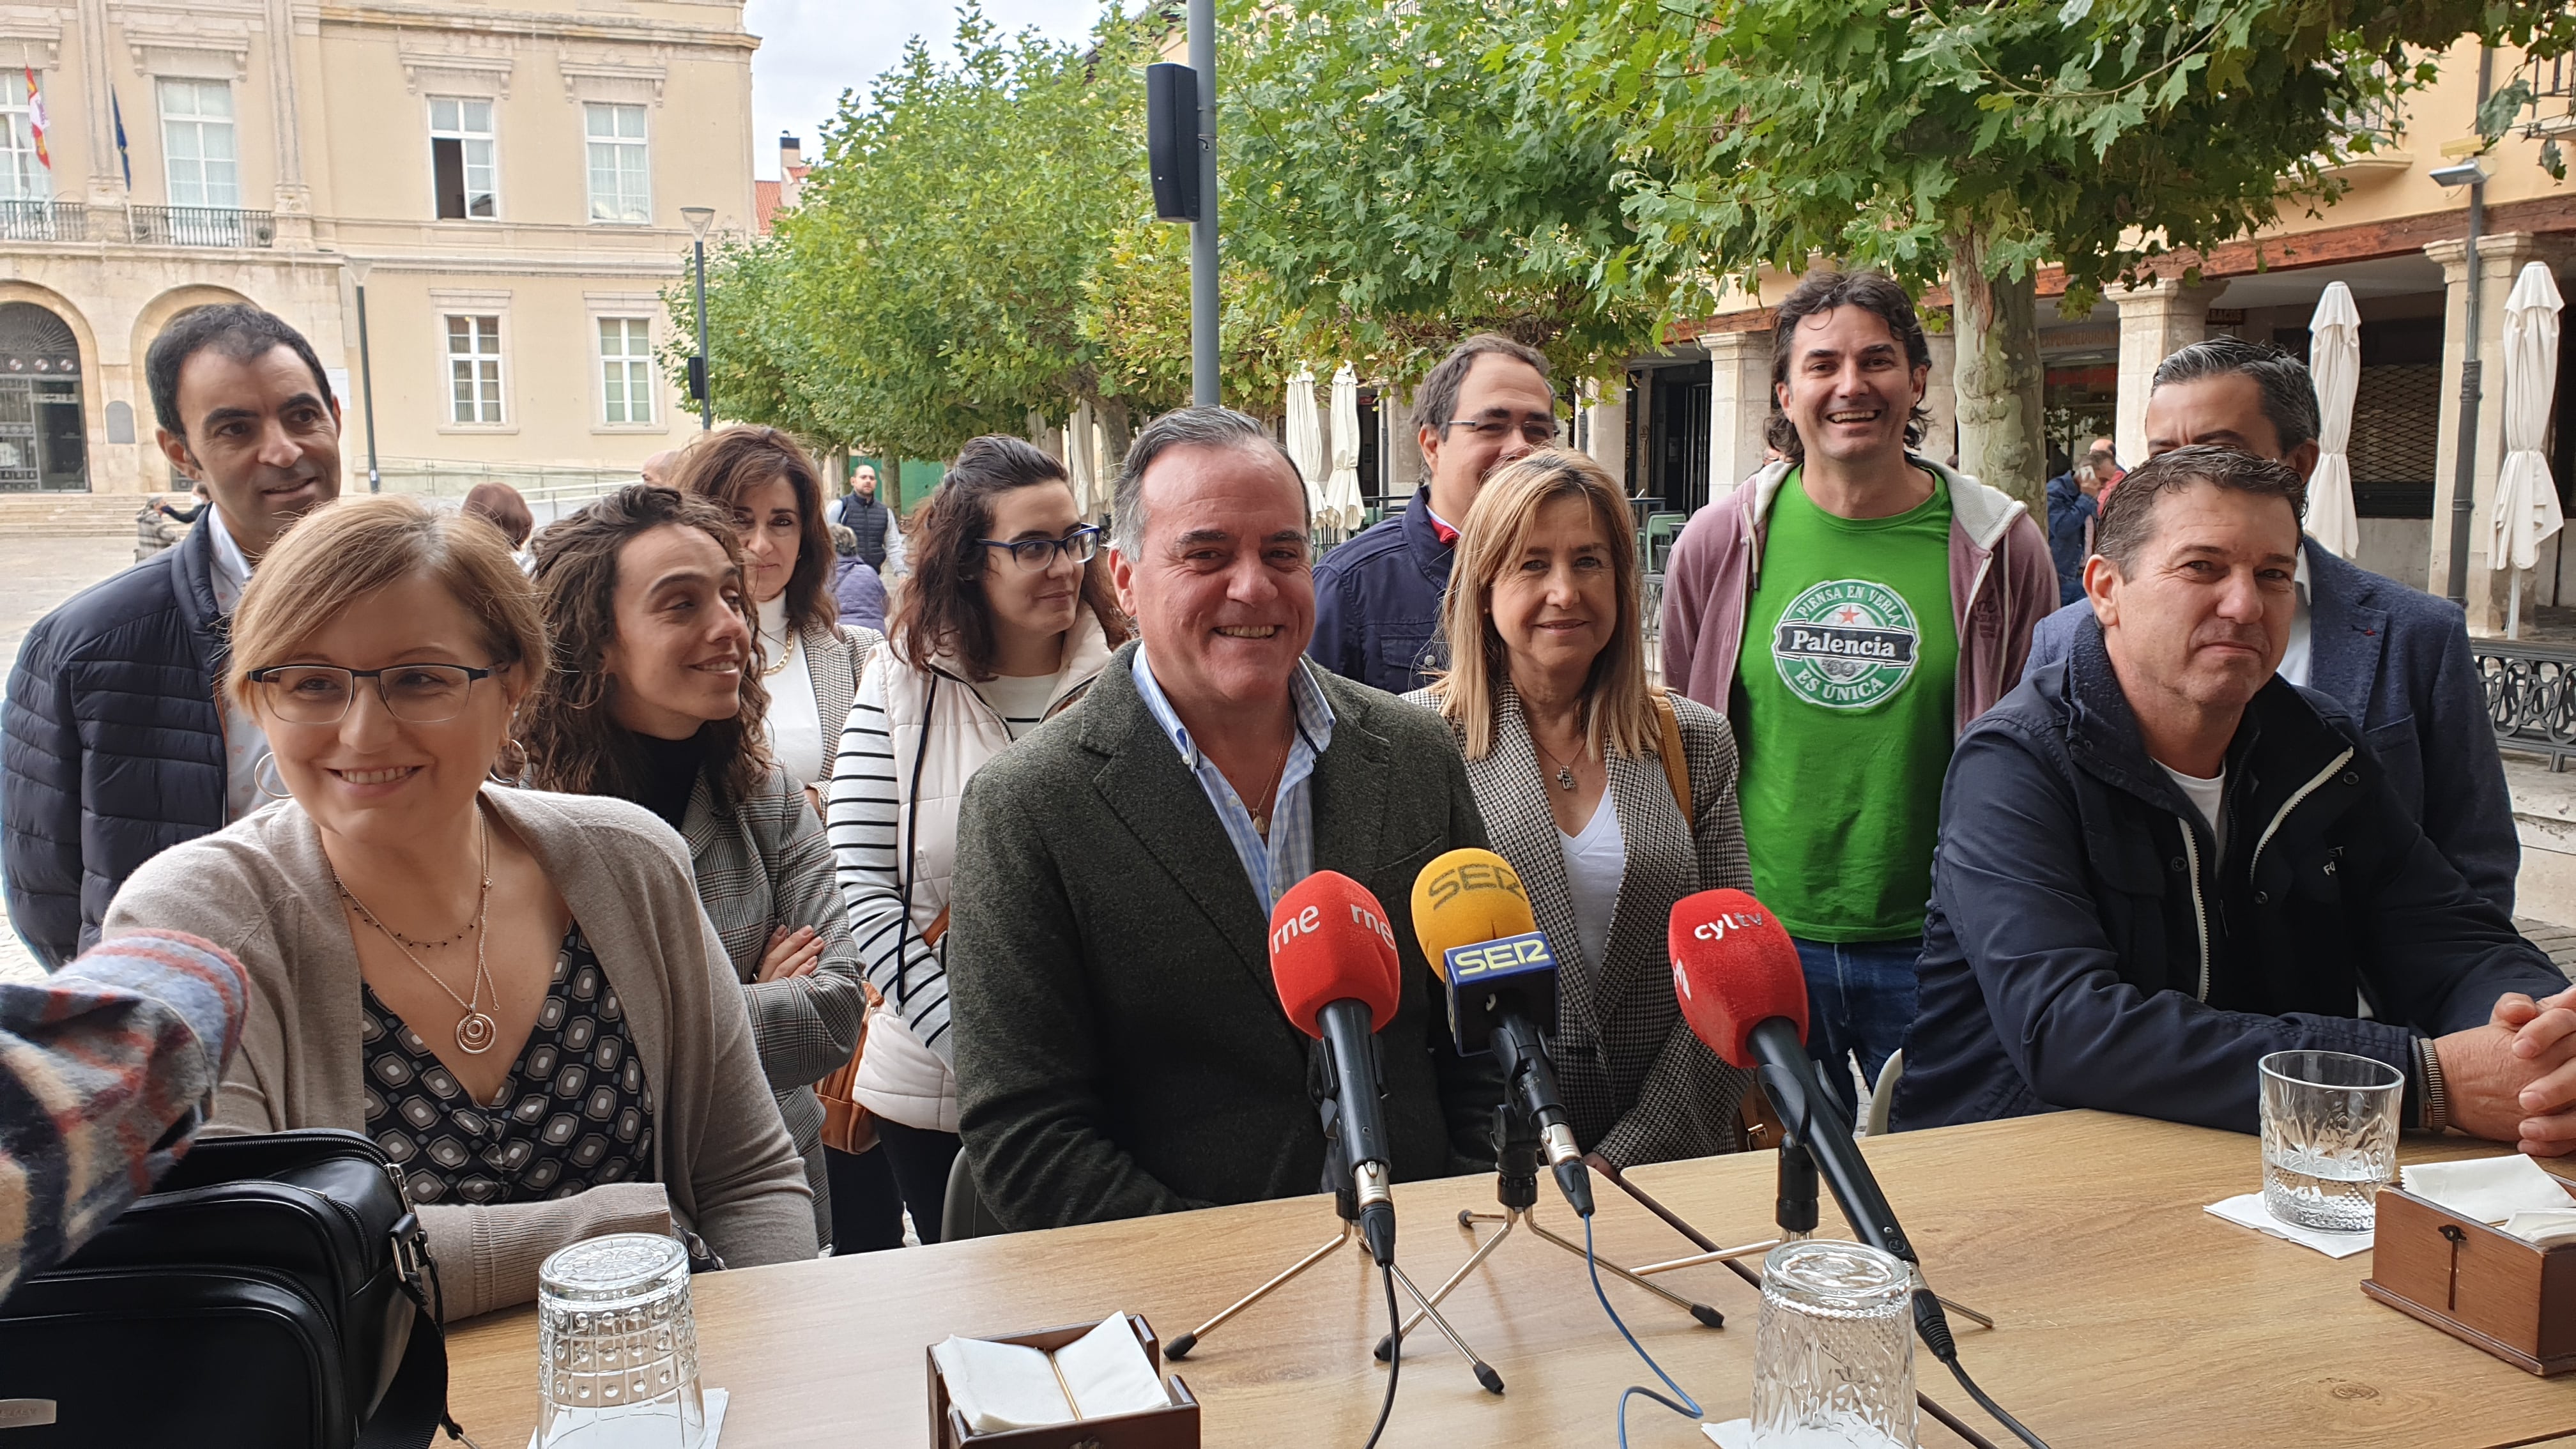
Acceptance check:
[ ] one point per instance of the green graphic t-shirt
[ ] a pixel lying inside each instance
(1848, 680)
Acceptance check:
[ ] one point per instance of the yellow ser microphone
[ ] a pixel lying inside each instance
(1473, 919)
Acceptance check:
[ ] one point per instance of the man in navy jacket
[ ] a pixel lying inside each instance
(2160, 861)
(1377, 597)
(118, 743)
(2397, 659)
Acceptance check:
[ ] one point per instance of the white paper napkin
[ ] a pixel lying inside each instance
(1108, 1372)
(2247, 1211)
(2548, 1229)
(1000, 1386)
(2488, 1189)
(716, 1399)
(1738, 1434)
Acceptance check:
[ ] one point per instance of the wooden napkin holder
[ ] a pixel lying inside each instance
(2481, 1285)
(1174, 1428)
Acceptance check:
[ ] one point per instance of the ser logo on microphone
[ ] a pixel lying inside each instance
(1509, 956)
(1474, 875)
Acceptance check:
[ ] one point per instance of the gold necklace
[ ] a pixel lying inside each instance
(475, 1030)
(1278, 772)
(786, 656)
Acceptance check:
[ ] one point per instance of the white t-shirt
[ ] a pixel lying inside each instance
(795, 720)
(2205, 796)
(1595, 862)
(1020, 700)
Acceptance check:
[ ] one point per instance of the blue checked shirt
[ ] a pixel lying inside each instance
(1288, 856)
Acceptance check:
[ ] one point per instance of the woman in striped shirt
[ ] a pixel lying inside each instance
(1006, 620)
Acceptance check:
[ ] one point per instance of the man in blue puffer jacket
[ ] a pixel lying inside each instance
(118, 743)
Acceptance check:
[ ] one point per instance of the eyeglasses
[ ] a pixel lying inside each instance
(1034, 554)
(413, 693)
(1537, 432)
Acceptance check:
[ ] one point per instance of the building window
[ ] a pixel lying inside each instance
(626, 368)
(474, 368)
(22, 176)
(619, 189)
(197, 143)
(460, 158)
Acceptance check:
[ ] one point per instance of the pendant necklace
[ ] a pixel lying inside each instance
(475, 1030)
(1564, 772)
(1270, 797)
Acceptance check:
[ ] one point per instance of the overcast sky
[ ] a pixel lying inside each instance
(812, 50)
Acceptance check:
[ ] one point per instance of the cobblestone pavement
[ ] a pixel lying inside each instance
(36, 573)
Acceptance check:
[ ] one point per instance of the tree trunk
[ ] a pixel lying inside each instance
(2002, 433)
(1117, 431)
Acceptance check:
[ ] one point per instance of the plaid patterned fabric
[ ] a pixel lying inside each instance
(1288, 856)
(1638, 1085)
(97, 1066)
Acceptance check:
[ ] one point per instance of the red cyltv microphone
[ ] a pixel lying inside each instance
(1332, 956)
(1734, 967)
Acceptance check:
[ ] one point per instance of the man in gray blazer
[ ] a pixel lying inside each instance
(1120, 1047)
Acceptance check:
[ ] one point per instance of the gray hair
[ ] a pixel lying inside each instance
(2289, 393)
(1199, 427)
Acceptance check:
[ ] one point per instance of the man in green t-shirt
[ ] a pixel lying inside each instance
(1850, 608)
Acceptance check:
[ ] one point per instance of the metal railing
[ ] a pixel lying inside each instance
(200, 226)
(43, 221)
(2531, 696)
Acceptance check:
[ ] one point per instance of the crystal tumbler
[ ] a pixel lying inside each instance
(1833, 1354)
(619, 1345)
(2329, 1137)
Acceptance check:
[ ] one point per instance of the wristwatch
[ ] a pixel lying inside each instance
(2437, 1101)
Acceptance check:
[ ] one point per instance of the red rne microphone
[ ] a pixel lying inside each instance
(1734, 968)
(1332, 956)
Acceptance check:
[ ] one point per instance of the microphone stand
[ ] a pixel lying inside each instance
(1346, 1204)
(1516, 1164)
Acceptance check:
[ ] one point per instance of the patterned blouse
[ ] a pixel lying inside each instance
(575, 1112)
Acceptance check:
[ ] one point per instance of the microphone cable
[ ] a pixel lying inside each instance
(1394, 1352)
(1934, 1326)
(1688, 1407)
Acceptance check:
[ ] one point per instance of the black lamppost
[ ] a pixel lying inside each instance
(699, 219)
(358, 269)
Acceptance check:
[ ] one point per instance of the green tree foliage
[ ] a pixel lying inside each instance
(1395, 195)
(1971, 143)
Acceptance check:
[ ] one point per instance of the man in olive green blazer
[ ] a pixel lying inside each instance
(1120, 1047)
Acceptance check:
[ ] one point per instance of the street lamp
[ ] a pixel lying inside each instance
(699, 219)
(358, 269)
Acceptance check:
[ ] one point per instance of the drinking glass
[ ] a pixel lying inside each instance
(620, 1346)
(2329, 1137)
(1833, 1353)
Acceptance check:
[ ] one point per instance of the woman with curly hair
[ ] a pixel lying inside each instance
(655, 696)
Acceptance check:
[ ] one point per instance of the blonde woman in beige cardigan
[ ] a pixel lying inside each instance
(513, 993)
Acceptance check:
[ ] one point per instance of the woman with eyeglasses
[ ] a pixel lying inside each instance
(654, 697)
(1008, 617)
(808, 663)
(515, 995)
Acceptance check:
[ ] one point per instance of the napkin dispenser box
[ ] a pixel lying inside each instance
(1174, 1428)
(2481, 1285)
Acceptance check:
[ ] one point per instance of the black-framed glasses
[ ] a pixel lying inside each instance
(413, 693)
(1537, 432)
(1033, 554)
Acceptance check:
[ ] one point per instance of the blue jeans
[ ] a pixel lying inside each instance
(1860, 1000)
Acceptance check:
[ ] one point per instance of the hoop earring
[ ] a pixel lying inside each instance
(268, 762)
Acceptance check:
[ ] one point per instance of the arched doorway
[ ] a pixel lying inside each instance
(44, 445)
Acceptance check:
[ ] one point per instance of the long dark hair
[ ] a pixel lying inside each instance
(725, 465)
(572, 742)
(943, 605)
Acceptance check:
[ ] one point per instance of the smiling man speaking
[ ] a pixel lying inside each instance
(1849, 610)
(1120, 1047)
(2160, 861)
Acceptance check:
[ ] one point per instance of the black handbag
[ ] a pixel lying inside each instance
(269, 1291)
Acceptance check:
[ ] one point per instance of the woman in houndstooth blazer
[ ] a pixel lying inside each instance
(1566, 747)
(656, 697)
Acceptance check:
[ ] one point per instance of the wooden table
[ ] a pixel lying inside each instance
(2126, 1315)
